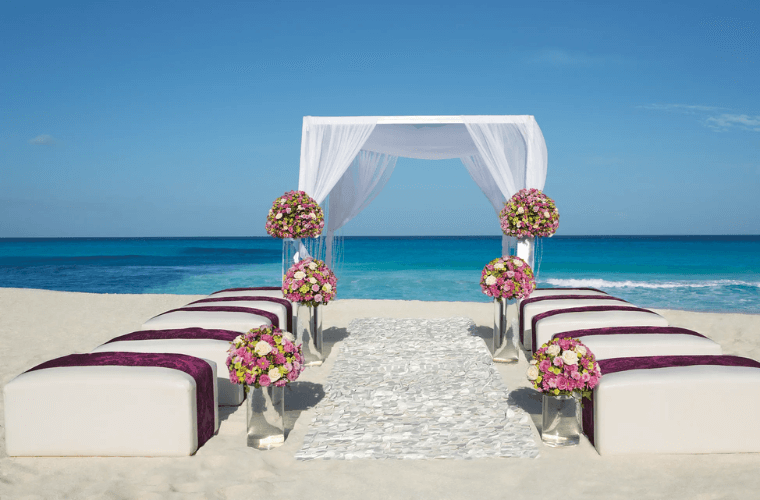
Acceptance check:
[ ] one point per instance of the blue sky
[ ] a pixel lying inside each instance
(184, 119)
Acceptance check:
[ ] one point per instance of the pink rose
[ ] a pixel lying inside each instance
(292, 375)
(280, 382)
(544, 365)
(562, 384)
(264, 380)
(558, 361)
(318, 297)
(250, 379)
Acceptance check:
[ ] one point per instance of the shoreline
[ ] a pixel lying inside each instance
(38, 325)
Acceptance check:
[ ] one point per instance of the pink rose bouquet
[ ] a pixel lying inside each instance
(295, 215)
(507, 277)
(564, 366)
(529, 213)
(264, 356)
(309, 282)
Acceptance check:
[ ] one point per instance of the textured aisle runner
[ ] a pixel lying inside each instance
(416, 389)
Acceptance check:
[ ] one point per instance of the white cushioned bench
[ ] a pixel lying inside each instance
(552, 292)
(547, 324)
(260, 291)
(675, 404)
(637, 341)
(198, 342)
(239, 319)
(533, 306)
(112, 404)
(282, 308)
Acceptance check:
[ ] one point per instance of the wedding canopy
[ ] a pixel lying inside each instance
(350, 159)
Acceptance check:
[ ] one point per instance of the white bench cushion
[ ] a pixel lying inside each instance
(685, 409)
(546, 328)
(531, 309)
(229, 394)
(102, 411)
(279, 310)
(225, 320)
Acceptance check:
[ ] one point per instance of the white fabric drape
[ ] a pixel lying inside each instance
(327, 149)
(503, 154)
(514, 153)
(483, 178)
(360, 184)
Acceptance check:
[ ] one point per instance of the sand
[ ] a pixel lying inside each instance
(37, 325)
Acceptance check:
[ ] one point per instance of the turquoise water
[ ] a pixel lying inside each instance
(700, 273)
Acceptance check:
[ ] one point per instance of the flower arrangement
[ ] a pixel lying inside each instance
(295, 215)
(529, 213)
(564, 366)
(264, 356)
(507, 277)
(309, 282)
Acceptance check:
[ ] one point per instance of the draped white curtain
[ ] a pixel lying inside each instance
(503, 154)
(511, 156)
(327, 149)
(360, 184)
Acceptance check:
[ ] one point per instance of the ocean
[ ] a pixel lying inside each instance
(697, 273)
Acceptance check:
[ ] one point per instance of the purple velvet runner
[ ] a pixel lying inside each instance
(179, 333)
(547, 314)
(252, 289)
(555, 297)
(633, 330)
(195, 367)
(570, 288)
(613, 365)
(250, 310)
(275, 300)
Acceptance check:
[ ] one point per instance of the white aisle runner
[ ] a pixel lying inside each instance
(416, 389)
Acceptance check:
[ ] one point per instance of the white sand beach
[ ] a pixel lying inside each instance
(38, 325)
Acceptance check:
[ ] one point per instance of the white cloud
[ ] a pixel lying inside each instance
(711, 118)
(42, 140)
(727, 121)
(683, 108)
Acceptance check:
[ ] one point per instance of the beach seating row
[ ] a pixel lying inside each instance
(663, 389)
(154, 392)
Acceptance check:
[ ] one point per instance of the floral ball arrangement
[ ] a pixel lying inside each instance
(529, 213)
(309, 282)
(564, 366)
(264, 356)
(295, 215)
(508, 278)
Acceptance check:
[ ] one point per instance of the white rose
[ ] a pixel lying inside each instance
(520, 210)
(553, 350)
(288, 336)
(282, 202)
(533, 362)
(299, 275)
(313, 215)
(274, 374)
(581, 350)
(490, 280)
(498, 265)
(312, 280)
(570, 357)
(532, 373)
(313, 266)
(262, 348)
(517, 263)
(546, 214)
(327, 287)
(238, 339)
(278, 216)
